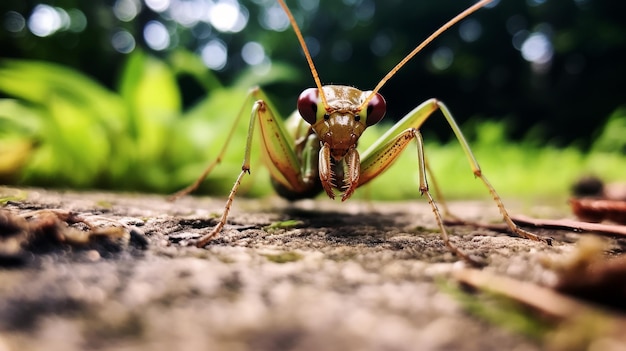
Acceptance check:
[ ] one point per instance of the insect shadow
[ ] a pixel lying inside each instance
(331, 218)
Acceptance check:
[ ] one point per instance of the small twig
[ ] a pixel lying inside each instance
(572, 225)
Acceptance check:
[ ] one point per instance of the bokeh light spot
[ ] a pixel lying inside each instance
(274, 18)
(442, 58)
(158, 5)
(123, 42)
(253, 53)
(214, 54)
(13, 22)
(44, 21)
(156, 35)
(309, 5)
(224, 16)
(537, 48)
(78, 20)
(365, 10)
(126, 10)
(470, 30)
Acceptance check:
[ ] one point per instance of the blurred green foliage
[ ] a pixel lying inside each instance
(61, 128)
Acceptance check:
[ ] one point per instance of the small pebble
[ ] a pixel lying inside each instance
(93, 255)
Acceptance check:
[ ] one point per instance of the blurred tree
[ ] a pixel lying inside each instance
(552, 66)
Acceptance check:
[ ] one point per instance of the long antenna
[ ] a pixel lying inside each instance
(432, 37)
(306, 52)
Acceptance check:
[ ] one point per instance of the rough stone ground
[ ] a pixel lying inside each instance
(347, 276)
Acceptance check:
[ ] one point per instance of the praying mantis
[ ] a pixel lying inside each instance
(318, 152)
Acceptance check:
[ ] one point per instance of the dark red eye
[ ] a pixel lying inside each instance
(375, 110)
(307, 105)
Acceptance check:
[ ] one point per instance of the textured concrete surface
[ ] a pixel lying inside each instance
(338, 276)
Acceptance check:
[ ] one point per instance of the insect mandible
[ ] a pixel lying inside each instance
(324, 157)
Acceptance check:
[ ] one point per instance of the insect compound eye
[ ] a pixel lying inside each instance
(376, 109)
(309, 104)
